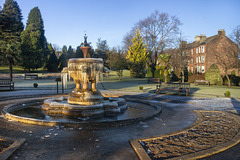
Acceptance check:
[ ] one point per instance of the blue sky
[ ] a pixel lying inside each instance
(66, 20)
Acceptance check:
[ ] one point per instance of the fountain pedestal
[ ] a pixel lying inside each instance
(85, 72)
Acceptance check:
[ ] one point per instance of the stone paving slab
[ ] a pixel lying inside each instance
(213, 132)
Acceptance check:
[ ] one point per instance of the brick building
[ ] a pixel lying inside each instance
(205, 51)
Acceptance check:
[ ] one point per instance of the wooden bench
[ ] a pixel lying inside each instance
(7, 83)
(196, 82)
(155, 80)
(31, 76)
(180, 87)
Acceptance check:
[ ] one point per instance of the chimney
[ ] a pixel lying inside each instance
(183, 44)
(197, 38)
(202, 37)
(221, 32)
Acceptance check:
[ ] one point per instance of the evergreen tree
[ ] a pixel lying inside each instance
(70, 53)
(11, 27)
(79, 53)
(52, 63)
(34, 44)
(64, 49)
(137, 56)
(63, 58)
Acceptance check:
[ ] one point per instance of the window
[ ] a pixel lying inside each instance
(188, 62)
(191, 51)
(187, 52)
(203, 69)
(192, 69)
(199, 59)
(203, 60)
(196, 59)
(197, 50)
(202, 49)
(192, 61)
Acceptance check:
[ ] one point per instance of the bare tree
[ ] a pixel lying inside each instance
(158, 31)
(235, 36)
(225, 54)
(180, 55)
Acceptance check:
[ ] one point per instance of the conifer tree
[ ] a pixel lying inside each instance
(63, 58)
(34, 44)
(70, 53)
(137, 56)
(11, 27)
(79, 53)
(52, 63)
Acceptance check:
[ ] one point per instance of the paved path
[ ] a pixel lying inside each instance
(59, 142)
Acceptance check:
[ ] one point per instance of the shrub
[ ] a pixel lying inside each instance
(194, 77)
(35, 85)
(233, 73)
(161, 76)
(140, 87)
(227, 94)
(149, 72)
(213, 75)
(157, 74)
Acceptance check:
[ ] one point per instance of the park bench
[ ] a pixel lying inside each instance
(154, 80)
(31, 76)
(180, 87)
(7, 83)
(196, 82)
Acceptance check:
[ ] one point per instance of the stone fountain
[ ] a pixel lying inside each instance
(85, 100)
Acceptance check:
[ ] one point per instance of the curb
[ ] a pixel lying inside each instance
(12, 148)
(142, 154)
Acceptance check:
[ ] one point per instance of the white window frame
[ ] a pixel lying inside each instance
(199, 58)
(203, 69)
(197, 50)
(203, 59)
(191, 51)
(202, 49)
(196, 59)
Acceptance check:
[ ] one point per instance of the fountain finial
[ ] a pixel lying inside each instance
(85, 47)
(85, 40)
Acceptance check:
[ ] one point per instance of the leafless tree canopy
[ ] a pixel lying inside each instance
(158, 31)
(236, 35)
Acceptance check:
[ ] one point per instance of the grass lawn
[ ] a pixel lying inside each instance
(132, 85)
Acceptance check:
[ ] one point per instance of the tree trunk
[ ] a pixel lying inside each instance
(165, 75)
(10, 71)
(153, 69)
(229, 82)
(183, 77)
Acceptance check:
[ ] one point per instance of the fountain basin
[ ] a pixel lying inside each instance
(31, 112)
(60, 106)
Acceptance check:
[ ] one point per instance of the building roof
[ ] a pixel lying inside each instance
(201, 42)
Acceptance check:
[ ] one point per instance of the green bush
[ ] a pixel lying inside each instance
(227, 94)
(162, 78)
(149, 72)
(140, 87)
(194, 77)
(233, 73)
(157, 74)
(213, 75)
